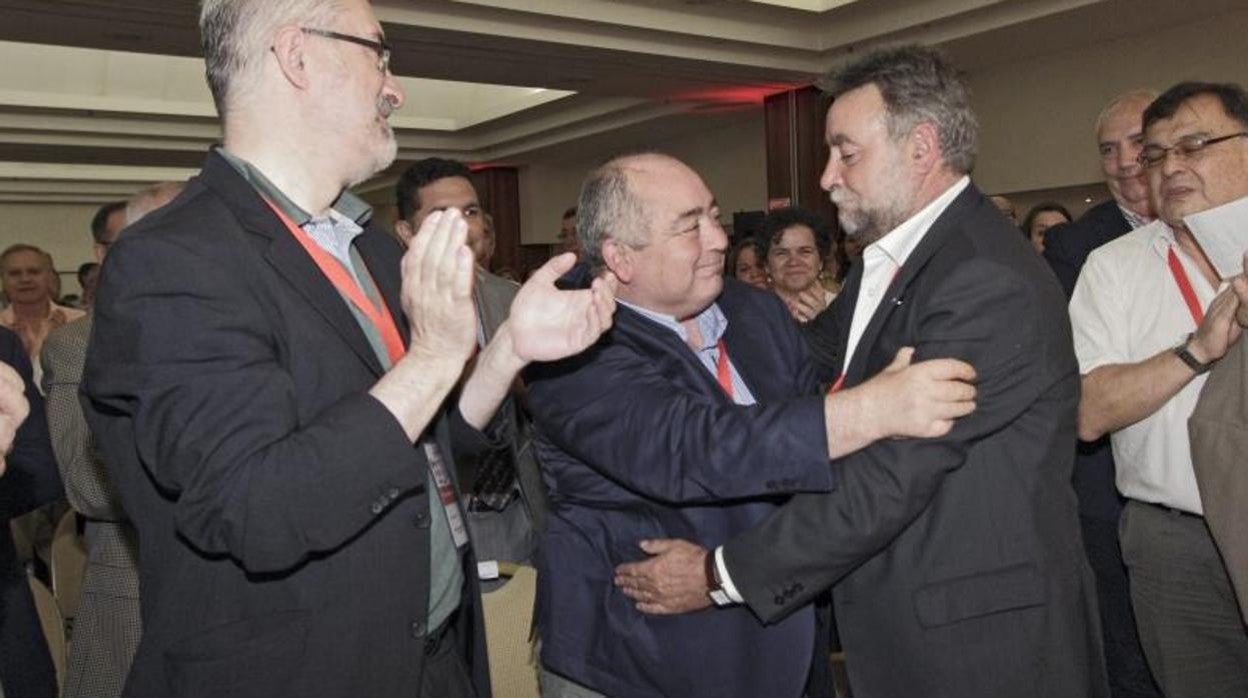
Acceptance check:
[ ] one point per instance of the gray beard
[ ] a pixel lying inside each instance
(870, 226)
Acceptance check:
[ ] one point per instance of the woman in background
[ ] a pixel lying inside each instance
(1040, 218)
(744, 264)
(793, 244)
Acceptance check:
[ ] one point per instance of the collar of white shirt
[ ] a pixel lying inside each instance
(711, 323)
(898, 243)
(882, 258)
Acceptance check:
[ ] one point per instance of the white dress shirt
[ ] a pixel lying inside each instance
(881, 261)
(1127, 308)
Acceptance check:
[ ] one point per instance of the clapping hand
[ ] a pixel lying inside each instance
(548, 323)
(13, 409)
(438, 272)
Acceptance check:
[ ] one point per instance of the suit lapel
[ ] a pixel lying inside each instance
(652, 339)
(752, 354)
(288, 258)
(898, 293)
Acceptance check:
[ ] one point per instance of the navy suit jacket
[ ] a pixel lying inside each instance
(1066, 248)
(637, 440)
(956, 560)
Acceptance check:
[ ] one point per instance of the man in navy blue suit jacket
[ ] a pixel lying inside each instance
(694, 417)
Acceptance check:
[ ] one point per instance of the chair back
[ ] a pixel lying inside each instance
(68, 565)
(508, 620)
(53, 625)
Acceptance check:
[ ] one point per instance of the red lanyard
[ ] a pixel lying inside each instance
(723, 371)
(840, 383)
(1185, 288)
(379, 315)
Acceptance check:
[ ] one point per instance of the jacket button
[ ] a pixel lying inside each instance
(377, 507)
(420, 519)
(418, 629)
(393, 493)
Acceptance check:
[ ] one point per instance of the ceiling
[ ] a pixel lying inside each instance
(99, 97)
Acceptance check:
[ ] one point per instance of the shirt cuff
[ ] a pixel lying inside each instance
(724, 579)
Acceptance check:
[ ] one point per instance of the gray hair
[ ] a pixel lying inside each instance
(236, 33)
(1145, 96)
(607, 209)
(919, 85)
(151, 198)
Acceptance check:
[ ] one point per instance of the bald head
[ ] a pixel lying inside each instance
(1130, 104)
(1119, 137)
(608, 208)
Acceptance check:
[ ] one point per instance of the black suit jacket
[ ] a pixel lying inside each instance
(282, 512)
(30, 481)
(956, 560)
(637, 440)
(1066, 248)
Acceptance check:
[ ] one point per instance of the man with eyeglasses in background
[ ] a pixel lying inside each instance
(1151, 317)
(268, 379)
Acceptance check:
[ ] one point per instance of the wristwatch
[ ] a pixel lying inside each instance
(715, 587)
(1192, 362)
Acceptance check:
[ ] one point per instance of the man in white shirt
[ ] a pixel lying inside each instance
(1149, 322)
(956, 560)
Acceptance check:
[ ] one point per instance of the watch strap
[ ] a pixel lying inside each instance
(1185, 355)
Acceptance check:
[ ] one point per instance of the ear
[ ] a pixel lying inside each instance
(288, 46)
(404, 231)
(925, 145)
(619, 259)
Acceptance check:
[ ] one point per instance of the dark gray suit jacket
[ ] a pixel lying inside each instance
(956, 560)
(282, 512)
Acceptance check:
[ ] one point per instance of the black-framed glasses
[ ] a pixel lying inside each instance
(381, 47)
(1188, 146)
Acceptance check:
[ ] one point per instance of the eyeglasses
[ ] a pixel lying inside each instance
(1187, 147)
(381, 47)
